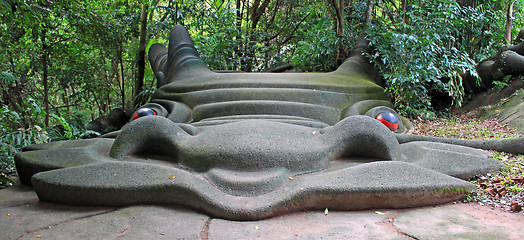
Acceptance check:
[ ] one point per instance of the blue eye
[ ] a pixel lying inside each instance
(143, 112)
(388, 119)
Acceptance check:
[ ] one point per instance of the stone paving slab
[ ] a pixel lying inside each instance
(23, 216)
(138, 222)
(460, 221)
(17, 195)
(309, 225)
(26, 219)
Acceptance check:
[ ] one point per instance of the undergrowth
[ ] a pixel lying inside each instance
(503, 189)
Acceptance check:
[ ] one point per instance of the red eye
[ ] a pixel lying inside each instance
(142, 112)
(388, 119)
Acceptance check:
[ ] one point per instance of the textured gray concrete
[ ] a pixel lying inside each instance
(343, 185)
(457, 161)
(267, 183)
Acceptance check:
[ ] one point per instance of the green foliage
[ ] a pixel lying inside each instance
(219, 40)
(7, 78)
(518, 17)
(13, 136)
(499, 85)
(64, 130)
(5, 181)
(431, 50)
(228, 38)
(317, 50)
(8, 5)
(88, 45)
(146, 94)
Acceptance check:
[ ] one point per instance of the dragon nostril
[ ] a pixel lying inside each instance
(142, 112)
(389, 119)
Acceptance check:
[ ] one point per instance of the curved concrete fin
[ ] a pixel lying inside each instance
(358, 63)
(512, 145)
(183, 58)
(158, 60)
(149, 135)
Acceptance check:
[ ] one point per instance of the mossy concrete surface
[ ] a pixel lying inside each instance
(510, 111)
(422, 174)
(506, 105)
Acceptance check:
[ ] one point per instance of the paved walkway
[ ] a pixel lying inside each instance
(23, 216)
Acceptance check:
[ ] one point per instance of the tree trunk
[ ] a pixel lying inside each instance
(14, 97)
(509, 22)
(141, 54)
(45, 56)
(257, 11)
(122, 82)
(65, 98)
(369, 11)
(338, 5)
(238, 50)
(404, 7)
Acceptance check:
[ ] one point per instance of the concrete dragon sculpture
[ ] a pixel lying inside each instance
(254, 145)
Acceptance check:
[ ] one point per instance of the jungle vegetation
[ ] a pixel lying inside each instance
(65, 63)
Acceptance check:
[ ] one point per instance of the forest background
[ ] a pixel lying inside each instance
(65, 63)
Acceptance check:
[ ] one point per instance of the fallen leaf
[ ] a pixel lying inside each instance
(290, 178)
(516, 207)
(171, 177)
(9, 214)
(326, 211)
(380, 213)
(499, 179)
(257, 227)
(483, 179)
(39, 236)
(491, 192)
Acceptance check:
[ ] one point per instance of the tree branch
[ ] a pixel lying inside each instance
(64, 40)
(258, 11)
(294, 30)
(64, 106)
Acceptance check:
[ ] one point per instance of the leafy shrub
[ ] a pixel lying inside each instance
(437, 44)
(221, 43)
(316, 52)
(13, 136)
(65, 130)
